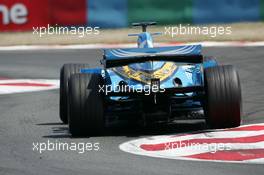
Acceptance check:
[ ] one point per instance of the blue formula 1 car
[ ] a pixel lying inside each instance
(149, 84)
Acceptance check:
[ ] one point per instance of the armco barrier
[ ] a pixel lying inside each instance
(24, 14)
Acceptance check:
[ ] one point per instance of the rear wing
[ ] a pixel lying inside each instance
(121, 57)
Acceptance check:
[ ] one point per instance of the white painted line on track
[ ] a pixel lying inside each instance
(129, 45)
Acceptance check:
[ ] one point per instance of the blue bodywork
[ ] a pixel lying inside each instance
(187, 73)
(146, 63)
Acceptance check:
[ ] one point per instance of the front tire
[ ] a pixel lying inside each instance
(222, 97)
(66, 71)
(86, 105)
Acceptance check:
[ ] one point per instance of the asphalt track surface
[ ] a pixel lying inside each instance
(33, 117)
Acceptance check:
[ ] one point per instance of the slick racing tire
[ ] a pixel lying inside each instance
(222, 97)
(86, 105)
(66, 71)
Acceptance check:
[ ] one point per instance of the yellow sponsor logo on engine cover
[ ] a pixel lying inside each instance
(142, 76)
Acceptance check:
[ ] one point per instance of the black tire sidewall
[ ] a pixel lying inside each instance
(86, 105)
(66, 71)
(222, 97)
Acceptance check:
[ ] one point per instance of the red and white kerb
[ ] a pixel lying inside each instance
(244, 144)
(10, 86)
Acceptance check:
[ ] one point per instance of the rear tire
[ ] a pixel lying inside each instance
(222, 97)
(86, 105)
(66, 71)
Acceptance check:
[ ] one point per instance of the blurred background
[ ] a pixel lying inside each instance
(22, 15)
